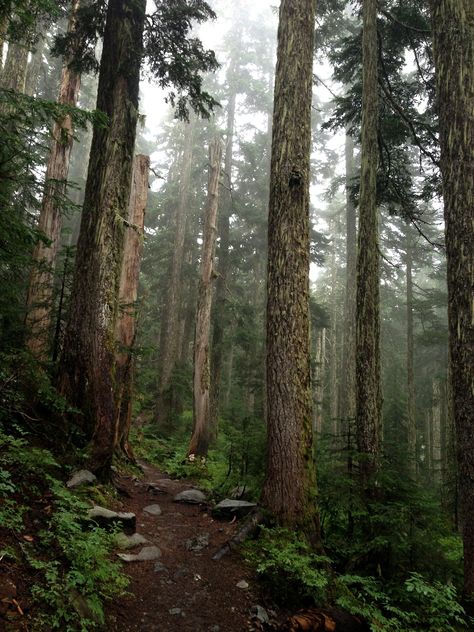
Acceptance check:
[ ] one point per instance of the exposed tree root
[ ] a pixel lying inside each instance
(248, 528)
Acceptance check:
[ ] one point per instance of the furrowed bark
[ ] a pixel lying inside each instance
(453, 45)
(289, 491)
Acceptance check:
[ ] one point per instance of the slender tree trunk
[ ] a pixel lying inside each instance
(126, 322)
(220, 319)
(40, 290)
(368, 388)
(170, 328)
(319, 380)
(436, 432)
(348, 373)
(88, 360)
(453, 44)
(411, 423)
(289, 491)
(334, 425)
(200, 438)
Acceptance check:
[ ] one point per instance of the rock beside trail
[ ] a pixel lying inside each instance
(130, 541)
(190, 496)
(147, 554)
(153, 510)
(230, 507)
(198, 543)
(107, 518)
(80, 478)
(243, 585)
(260, 613)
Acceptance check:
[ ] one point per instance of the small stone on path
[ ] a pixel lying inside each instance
(176, 611)
(242, 584)
(130, 541)
(198, 543)
(153, 510)
(160, 568)
(260, 613)
(106, 518)
(148, 554)
(232, 507)
(191, 496)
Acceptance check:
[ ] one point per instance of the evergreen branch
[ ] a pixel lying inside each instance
(408, 27)
(432, 243)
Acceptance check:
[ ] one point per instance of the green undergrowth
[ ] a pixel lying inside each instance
(297, 575)
(226, 467)
(48, 544)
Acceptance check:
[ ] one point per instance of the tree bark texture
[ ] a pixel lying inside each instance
(169, 335)
(453, 44)
(14, 70)
(40, 290)
(334, 425)
(34, 66)
(88, 361)
(368, 387)
(220, 312)
(199, 443)
(127, 319)
(347, 409)
(289, 491)
(411, 422)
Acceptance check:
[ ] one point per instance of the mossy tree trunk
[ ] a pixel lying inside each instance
(14, 70)
(199, 444)
(40, 291)
(127, 320)
(453, 44)
(289, 490)
(368, 386)
(88, 359)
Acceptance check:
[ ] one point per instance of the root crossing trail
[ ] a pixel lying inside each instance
(183, 590)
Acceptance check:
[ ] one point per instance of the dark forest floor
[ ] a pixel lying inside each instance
(185, 590)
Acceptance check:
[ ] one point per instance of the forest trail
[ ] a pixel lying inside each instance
(184, 590)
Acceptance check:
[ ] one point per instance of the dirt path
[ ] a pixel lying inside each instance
(185, 590)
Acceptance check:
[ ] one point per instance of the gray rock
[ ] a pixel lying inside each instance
(177, 611)
(153, 510)
(214, 628)
(242, 584)
(231, 507)
(147, 554)
(198, 543)
(130, 541)
(81, 477)
(190, 496)
(108, 518)
(260, 613)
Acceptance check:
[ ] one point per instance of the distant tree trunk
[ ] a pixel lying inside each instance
(200, 438)
(368, 388)
(14, 70)
(348, 373)
(126, 322)
(40, 290)
(334, 425)
(170, 328)
(223, 270)
(88, 359)
(319, 372)
(411, 423)
(436, 432)
(289, 491)
(34, 67)
(453, 44)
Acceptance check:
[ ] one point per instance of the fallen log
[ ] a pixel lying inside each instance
(248, 528)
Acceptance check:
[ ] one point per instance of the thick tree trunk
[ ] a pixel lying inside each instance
(368, 388)
(200, 438)
(40, 290)
(348, 373)
(453, 43)
(14, 70)
(126, 322)
(88, 360)
(171, 321)
(289, 490)
(220, 312)
(411, 422)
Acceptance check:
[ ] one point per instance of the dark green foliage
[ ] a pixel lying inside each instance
(174, 58)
